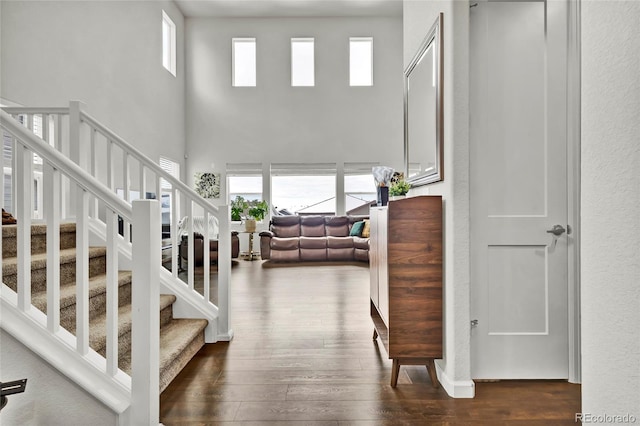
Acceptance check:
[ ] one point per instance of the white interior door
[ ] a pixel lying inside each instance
(519, 190)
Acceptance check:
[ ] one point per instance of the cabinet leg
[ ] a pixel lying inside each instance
(395, 371)
(375, 334)
(431, 369)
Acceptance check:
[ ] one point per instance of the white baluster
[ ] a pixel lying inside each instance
(93, 165)
(190, 243)
(112, 292)
(52, 191)
(206, 262)
(143, 184)
(110, 176)
(127, 195)
(82, 271)
(23, 195)
(175, 244)
(145, 331)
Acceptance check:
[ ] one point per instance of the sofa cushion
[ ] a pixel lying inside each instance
(361, 243)
(366, 231)
(339, 242)
(286, 226)
(340, 254)
(312, 226)
(285, 255)
(337, 226)
(313, 255)
(313, 242)
(356, 229)
(290, 243)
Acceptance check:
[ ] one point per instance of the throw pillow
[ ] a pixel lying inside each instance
(356, 229)
(366, 230)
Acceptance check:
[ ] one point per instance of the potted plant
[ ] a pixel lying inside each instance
(238, 206)
(399, 188)
(257, 210)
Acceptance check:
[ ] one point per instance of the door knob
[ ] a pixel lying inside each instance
(557, 230)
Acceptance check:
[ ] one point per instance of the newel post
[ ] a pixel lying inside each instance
(224, 274)
(145, 328)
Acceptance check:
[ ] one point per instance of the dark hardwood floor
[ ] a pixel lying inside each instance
(303, 355)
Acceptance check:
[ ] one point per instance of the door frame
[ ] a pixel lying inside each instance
(573, 188)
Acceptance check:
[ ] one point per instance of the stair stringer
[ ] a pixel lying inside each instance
(188, 304)
(58, 349)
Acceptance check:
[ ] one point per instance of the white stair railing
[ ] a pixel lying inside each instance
(43, 144)
(129, 174)
(21, 319)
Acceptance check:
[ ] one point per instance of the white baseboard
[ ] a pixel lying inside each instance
(226, 337)
(455, 389)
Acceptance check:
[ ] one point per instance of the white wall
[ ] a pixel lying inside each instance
(610, 264)
(104, 53)
(419, 16)
(50, 398)
(275, 122)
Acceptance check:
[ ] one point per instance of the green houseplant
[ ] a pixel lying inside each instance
(238, 206)
(257, 209)
(399, 188)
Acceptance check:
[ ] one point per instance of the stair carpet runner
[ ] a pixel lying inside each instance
(180, 339)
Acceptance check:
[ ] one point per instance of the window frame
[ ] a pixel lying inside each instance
(234, 65)
(169, 44)
(352, 41)
(295, 70)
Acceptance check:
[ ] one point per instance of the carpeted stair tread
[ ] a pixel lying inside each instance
(39, 261)
(97, 285)
(175, 338)
(38, 238)
(98, 329)
(9, 231)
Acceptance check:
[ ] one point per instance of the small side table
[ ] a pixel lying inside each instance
(250, 255)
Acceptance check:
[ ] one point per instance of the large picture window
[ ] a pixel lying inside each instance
(304, 189)
(359, 187)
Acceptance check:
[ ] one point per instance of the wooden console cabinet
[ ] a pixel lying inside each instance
(405, 258)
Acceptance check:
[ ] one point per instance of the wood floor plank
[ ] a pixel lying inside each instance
(303, 355)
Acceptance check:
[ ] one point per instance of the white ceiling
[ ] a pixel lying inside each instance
(289, 8)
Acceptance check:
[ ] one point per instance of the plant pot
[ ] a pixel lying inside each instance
(397, 197)
(250, 225)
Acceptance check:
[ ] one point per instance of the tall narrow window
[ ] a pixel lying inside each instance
(168, 43)
(244, 62)
(302, 62)
(361, 61)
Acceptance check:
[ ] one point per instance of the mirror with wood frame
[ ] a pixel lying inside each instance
(423, 123)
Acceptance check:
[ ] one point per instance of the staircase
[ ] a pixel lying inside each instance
(180, 339)
(73, 304)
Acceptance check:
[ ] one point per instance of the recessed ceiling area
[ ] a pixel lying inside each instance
(288, 8)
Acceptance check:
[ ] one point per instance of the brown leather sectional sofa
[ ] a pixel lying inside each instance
(313, 238)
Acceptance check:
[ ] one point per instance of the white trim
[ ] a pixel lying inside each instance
(573, 189)
(455, 389)
(169, 44)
